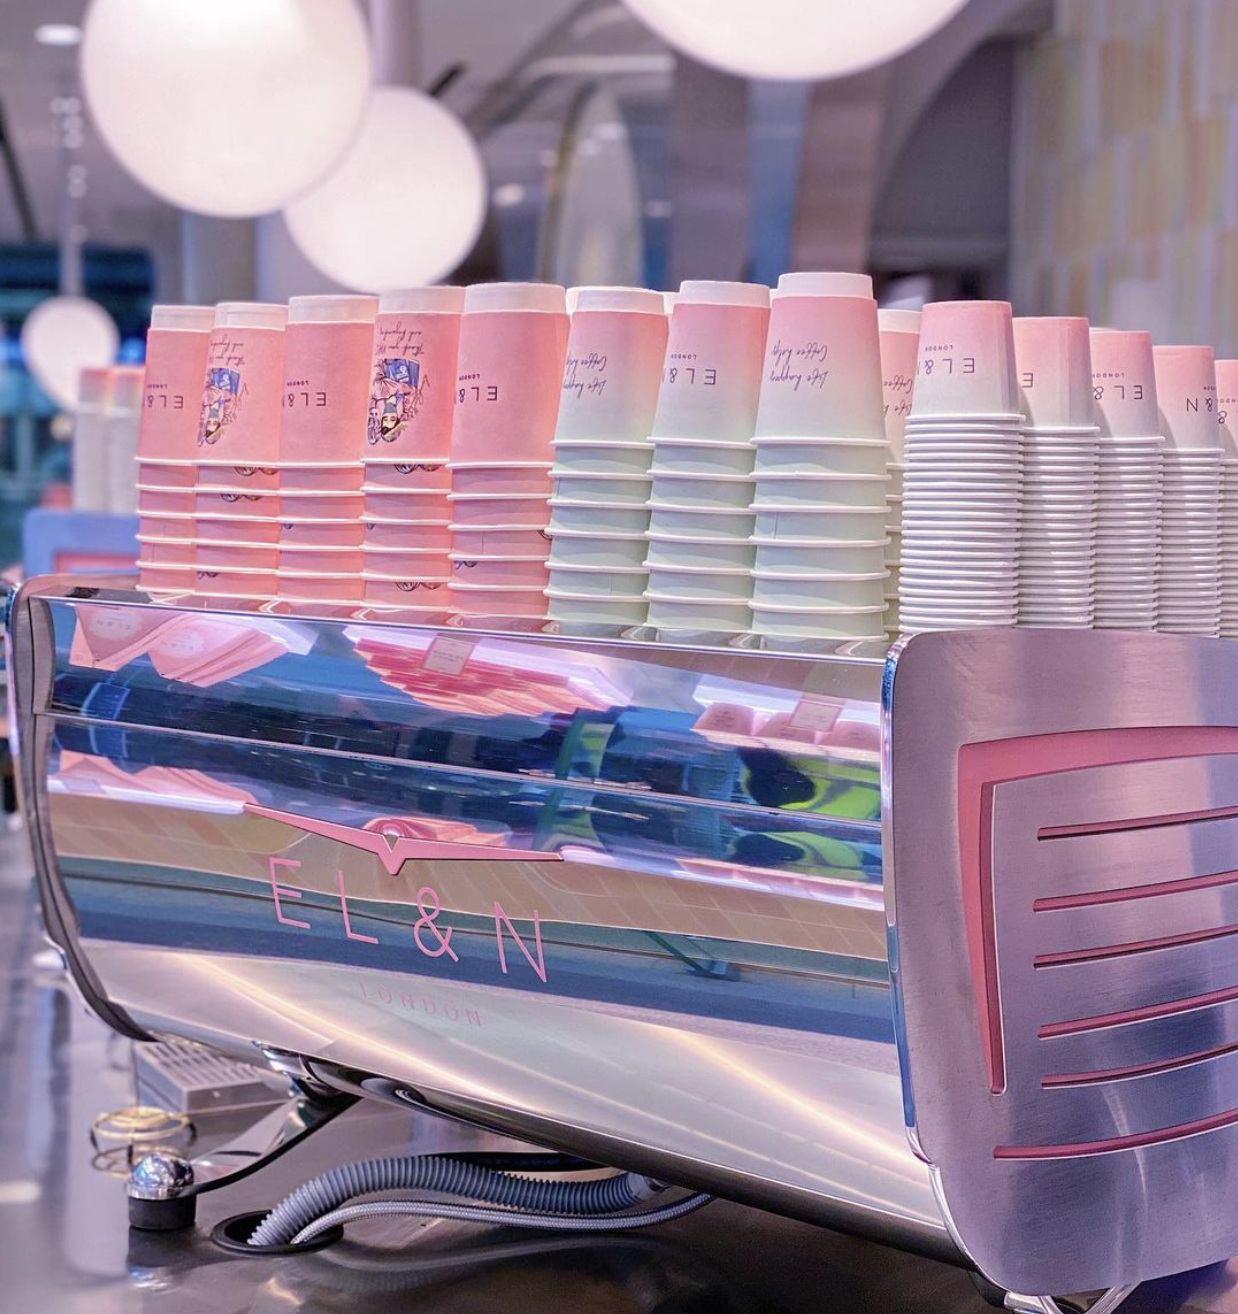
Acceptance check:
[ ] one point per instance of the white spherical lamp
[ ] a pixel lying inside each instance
(794, 39)
(63, 336)
(227, 108)
(405, 204)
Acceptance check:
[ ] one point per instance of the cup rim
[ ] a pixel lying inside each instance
(671, 440)
(495, 497)
(605, 444)
(404, 552)
(793, 609)
(791, 440)
(492, 556)
(710, 541)
(178, 461)
(499, 465)
(813, 576)
(818, 542)
(697, 474)
(616, 476)
(404, 579)
(353, 494)
(697, 570)
(405, 460)
(312, 465)
(389, 520)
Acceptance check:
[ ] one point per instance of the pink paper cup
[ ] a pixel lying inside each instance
(413, 373)
(304, 505)
(411, 563)
(491, 600)
(899, 339)
(822, 373)
(165, 526)
(402, 475)
(342, 477)
(509, 373)
(413, 591)
(239, 422)
(326, 397)
(332, 560)
(1054, 362)
(499, 542)
(165, 579)
(615, 351)
(476, 510)
(165, 501)
(238, 529)
(715, 354)
(320, 586)
(528, 572)
(177, 346)
(343, 533)
(965, 364)
(1186, 394)
(215, 504)
(407, 504)
(241, 478)
(236, 582)
(512, 477)
(230, 556)
(166, 551)
(407, 535)
(167, 474)
(1124, 384)
(1227, 406)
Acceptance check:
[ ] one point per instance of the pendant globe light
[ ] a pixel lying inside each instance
(231, 107)
(794, 39)
(405, 204)
(63, 336)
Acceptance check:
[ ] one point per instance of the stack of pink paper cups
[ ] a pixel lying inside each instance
(1189, 585)
(322, 432)
(602, 454)
(821, 457)
(236, 499)
(963, 483)
(167, 451)
(1128, 534)
(1227, 414)
(1057, 546)
(513, 343)
(90, 481)
(700, 516)
(407, 538)
(900, 339)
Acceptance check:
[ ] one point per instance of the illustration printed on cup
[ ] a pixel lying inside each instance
(221, 403)
(395, 398)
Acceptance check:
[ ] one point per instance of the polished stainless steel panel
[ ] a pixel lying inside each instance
(1059, 844)
(619, 898)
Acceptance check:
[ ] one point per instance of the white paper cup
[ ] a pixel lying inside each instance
(899, 332)
(720, 492)
(600, 551)
(813, 526)
(593, 609)
(596, 517)
(594, 457)
(700, 582)
(778, 455)
(777, 590)
(965, 362)
(700, 522)
(726, 554)
(1187, 396)
(681, 613)
(698, 456)
(820, 622)
(819, 490)
(820, 558)
(629, 489)
(621, 581)
(1123, 383)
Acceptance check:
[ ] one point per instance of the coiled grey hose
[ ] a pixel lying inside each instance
(442, 1176)
(500, 1217)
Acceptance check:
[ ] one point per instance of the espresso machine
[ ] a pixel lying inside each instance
(934, 946)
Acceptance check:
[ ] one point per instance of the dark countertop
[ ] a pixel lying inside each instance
(65, 1246)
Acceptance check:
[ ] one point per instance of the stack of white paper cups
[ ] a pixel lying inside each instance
(1227, 407)
(900, 339)
(964, 476)
(700, 516)
(1128, 534)
(820, 473)
(602, 455)
(513, 342)
(1189, 587)
(1057, 546)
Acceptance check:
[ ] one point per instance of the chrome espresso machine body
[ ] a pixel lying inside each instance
(939, 948)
